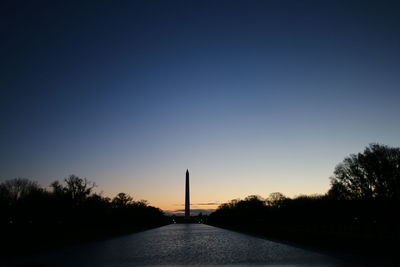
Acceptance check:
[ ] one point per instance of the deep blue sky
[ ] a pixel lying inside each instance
(252, 96)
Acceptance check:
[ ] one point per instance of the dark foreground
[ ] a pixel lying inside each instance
(355, 254)
(180, 245)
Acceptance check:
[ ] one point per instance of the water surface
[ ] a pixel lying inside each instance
(182, 245)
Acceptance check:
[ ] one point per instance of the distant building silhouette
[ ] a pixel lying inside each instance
(187, 197)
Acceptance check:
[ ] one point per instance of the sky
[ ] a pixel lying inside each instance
(253, 97)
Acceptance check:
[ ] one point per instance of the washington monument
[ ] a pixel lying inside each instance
(187, 197)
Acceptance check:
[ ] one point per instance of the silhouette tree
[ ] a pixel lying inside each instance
(252, 202)
(338, 191)
(373, 174)
(122, 200)
(18, 188)
(229, 205)
(33, 218)
(141, 203)
(58, 189)
(276, 199)
(77, 188)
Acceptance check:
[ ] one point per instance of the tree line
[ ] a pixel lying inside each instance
(33, 217)
(359, 211)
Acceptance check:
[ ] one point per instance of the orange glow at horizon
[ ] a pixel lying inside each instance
(208, 194)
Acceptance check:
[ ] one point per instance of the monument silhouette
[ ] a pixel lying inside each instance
(187, 197)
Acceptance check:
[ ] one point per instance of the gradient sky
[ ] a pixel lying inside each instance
(253, 97)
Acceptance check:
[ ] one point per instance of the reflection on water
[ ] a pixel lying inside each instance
(182, 245)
